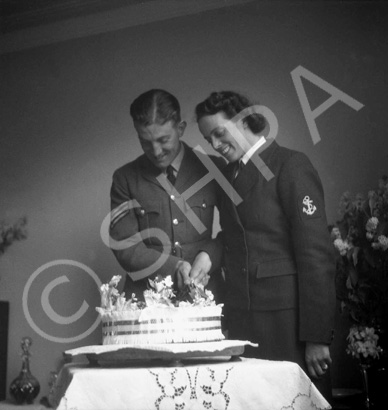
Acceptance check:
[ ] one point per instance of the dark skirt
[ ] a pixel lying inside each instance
(276, 332)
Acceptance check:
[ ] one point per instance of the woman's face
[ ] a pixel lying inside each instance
(226, 137)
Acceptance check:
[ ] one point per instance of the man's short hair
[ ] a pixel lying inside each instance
(155, 106)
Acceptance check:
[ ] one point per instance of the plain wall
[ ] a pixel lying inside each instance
(65, 128)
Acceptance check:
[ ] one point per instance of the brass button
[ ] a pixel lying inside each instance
(172, 197)
(175, 221)
(204, 205)
(177, 244)
(142, 212)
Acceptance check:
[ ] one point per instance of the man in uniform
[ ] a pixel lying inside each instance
(162, 220)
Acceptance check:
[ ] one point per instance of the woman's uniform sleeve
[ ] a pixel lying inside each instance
(302, 197)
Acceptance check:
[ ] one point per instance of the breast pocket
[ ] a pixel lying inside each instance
(204, 210)
(148, 215)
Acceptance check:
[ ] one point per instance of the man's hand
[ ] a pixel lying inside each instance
(182, 273)
(317, 358)
(202, 264)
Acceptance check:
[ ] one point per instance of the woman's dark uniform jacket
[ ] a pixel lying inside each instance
(277, 250)
(158, 209)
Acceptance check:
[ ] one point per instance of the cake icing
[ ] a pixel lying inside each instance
(165, 317)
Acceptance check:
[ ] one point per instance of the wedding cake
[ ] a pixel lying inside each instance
(165, 317)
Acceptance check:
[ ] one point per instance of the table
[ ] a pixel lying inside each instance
(214, 383)
(9, 405)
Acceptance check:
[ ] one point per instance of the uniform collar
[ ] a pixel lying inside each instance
(248, 155)
(177, 162)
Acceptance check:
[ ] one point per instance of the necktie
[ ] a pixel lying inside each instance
(170, 174)
(238, 168)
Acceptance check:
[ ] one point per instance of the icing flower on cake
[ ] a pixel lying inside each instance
(161, 293)
(111, 299)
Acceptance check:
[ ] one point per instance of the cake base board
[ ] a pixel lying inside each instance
(123, 355)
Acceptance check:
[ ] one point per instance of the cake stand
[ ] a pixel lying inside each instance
(174, 353)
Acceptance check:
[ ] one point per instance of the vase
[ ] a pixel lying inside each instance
(364, 367)
(25, 387)
(375, 382)
(4, 316)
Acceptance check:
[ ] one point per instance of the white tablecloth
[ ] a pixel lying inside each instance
(223, 385)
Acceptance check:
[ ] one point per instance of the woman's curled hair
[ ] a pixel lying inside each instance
(230, 103)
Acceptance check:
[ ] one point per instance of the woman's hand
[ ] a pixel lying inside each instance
(317, 358)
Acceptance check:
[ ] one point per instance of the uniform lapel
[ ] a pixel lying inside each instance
(250, 175)
(227, 205)
(188, 174)
(190, 171)
(229, 172)
(149, 171)
(248, 178)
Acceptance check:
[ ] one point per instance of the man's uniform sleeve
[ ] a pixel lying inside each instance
(124, 224)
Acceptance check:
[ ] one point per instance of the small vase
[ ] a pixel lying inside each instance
(25, 387)
(364, 367)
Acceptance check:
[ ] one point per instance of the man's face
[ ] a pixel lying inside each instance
(160, 143)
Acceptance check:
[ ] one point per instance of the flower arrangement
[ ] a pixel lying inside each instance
(360, 238)
(161, 293)
(10, 233)
(363, 343)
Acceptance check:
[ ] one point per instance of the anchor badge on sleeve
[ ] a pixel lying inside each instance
(309, 208)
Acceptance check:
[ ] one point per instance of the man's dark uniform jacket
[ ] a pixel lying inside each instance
(277, 250)
(158, 208)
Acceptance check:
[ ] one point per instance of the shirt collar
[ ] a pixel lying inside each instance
(248, 155)
(177, 162)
